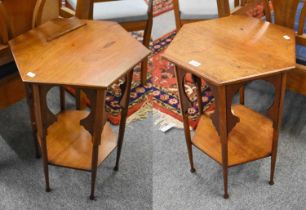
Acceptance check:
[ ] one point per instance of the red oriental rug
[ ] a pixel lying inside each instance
(160, 92)
(161, 6)
(165, 96)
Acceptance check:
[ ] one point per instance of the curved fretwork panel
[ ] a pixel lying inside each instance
(185, 101)
(276, 81)
(49, 118)
(89, 121)
(231, 118)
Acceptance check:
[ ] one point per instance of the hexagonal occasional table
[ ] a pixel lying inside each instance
(229, 53)
(88, 55)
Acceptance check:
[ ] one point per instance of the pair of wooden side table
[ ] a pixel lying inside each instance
(228, 53)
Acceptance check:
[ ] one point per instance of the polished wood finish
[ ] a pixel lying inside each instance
(73, 148)
(102, 64)
(245, 143)
(285, 13)
(230, 60)
(84, 10)
(218, 52)
(72, 52)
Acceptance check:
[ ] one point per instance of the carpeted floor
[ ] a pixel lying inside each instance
(154, 171)
(22, 180)
(174, 187)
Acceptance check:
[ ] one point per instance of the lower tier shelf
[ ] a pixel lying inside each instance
(250, 139)
(70, 145)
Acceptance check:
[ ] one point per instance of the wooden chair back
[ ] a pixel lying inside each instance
(20, 16)
(284, 13)
(16, 17)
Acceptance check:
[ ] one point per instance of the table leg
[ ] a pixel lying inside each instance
(99, 122)
(41, 129)
(124, 103)
(30, 102)
(62, 98)
(222, 107)
(185, 103)
(275, 113)
(242, 95)
(78, 98)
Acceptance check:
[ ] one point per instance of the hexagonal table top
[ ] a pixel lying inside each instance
(233, 49)
(94, 55)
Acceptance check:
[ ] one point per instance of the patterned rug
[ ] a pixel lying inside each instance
(161, 6)
(165, 96)
(160, 94)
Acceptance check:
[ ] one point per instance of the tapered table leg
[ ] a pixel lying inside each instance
(99, 122)
(276, 114)
(40, 107)
(242, 95)
(30, 102)
(221, 106)
(124, 106)
(62, 98)
(185, 103)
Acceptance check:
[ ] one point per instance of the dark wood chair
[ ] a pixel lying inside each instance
(187, 11)
(17, 17)
(133, 15)
(291, 13)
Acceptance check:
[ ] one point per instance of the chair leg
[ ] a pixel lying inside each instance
(144, 71)
(146, 42)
